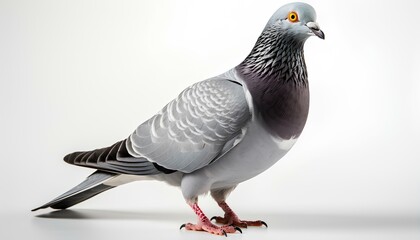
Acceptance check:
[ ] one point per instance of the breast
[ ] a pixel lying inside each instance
(284, 110)
(281, 104)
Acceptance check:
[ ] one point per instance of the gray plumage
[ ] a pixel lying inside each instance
(85, 190)
(192, 130)
(221, 131)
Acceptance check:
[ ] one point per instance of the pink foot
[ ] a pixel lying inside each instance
(211, 228)
(204, 224)
(231, 218)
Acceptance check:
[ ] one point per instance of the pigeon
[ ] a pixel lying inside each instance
(218, 132)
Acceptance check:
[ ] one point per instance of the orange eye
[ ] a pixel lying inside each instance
(293, 17)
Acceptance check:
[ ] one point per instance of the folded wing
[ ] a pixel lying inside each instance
(197, 127)
(193, 129)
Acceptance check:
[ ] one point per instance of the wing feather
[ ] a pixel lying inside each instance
(200, 125)
(192, 130)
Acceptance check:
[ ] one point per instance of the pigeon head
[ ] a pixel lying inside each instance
(278, 53)
(295, 19)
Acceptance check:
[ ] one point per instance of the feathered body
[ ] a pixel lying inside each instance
(218, 132)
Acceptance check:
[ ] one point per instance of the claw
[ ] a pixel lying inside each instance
(182, 226)
(236, 228)
(265, 224)
(211, 219)
(224, 233)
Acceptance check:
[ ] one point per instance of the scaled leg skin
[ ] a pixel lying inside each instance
(204, 224)
(230, 217)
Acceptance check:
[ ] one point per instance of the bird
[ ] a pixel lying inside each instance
(218, 132)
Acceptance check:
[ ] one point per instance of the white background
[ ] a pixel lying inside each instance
(79, 75)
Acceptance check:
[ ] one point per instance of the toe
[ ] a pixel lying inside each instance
(191, 227)
(229, 229)
(214, 230)
(220, 220)
(240, 224)
(257, 223)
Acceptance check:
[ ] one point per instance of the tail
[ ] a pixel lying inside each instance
(93, 185)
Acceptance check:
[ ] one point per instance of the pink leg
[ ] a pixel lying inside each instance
(204, 224)
(231, 218)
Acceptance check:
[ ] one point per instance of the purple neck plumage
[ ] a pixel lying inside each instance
(275, 74)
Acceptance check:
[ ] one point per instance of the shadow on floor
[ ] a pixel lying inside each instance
(113, 215)
(285, 221)
(339, 221)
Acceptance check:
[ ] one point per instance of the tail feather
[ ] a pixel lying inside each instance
(117, 159)
(92, 186)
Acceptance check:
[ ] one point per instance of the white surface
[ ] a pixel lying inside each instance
(128, 224)
(82, 74)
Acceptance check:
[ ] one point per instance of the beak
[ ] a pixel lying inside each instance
(315, 30)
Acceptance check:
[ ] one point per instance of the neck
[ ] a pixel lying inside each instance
(275, 75)
(276, 58)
